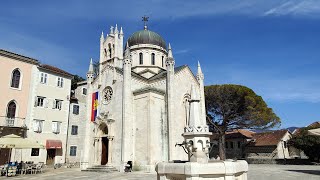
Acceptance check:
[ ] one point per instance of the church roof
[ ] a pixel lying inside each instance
(146, 37)
(162, 74)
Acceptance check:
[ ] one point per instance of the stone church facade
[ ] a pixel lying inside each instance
(142, 105)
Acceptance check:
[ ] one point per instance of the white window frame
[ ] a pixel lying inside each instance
(56, 126)
(57, 104)
(37, 125)
(60, 82)
(20, 79)
(40, 101)
(43, 78)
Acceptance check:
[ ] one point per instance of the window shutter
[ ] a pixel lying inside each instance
(54, 104)
(40, 124)
(54, 127)
(45, 102)
(35, 126)
(36, 102)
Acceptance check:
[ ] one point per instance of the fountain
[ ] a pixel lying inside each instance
(197, 143)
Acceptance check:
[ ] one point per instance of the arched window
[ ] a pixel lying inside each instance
(11, 113)
(140, 58)
(15, 81)
(162, 61)
(152, 59)
(110, 51)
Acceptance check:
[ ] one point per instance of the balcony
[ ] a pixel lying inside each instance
(12, 122)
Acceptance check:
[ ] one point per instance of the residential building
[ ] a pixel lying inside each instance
(235, 143)
(34, 104)
(15, 102)
(77, 123)
(48, 122)
(269, 145)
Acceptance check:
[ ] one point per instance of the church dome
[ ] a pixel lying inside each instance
(146, 37)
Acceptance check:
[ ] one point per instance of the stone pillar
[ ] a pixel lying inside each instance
(200, 78)
(170, 102)
(110, 143)
(126, 139)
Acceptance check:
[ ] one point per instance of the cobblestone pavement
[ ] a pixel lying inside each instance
(256, 172)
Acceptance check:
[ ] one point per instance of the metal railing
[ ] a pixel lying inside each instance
(12, 122)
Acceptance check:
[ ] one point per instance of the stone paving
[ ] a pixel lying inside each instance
(256, 172)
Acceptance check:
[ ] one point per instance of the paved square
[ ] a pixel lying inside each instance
(256, 172)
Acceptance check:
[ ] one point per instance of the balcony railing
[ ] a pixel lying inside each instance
(12, 122)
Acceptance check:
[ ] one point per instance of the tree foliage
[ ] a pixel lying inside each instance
(75, 80)
(309, 144)
(236, 107)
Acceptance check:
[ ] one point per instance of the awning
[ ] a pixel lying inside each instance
(14, 141)
(53, 144)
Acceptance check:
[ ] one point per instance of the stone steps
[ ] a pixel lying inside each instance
(101, 168)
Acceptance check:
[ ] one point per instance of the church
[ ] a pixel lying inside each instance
(138, 102)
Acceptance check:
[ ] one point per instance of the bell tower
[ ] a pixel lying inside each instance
(111, 48)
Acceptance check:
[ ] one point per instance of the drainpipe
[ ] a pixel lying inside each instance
(68, 124)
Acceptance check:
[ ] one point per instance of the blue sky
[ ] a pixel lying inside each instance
(270, 46)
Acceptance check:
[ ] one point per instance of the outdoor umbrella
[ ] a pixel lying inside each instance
(17, 142)
(315, 132)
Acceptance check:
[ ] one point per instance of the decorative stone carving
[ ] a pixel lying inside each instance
(107, 95)
(204, 128)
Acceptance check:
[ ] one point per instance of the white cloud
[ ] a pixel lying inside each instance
(297, 8)
(167, 9)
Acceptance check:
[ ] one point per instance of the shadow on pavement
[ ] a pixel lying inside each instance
(315, 172)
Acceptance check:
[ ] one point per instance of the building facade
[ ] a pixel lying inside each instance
(34, 105)
(48, 122)
(77, 120)
(16, 79)
(138, 103)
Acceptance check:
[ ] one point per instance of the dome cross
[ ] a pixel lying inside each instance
(145, 19)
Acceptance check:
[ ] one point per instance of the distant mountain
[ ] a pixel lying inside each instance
(291, 129)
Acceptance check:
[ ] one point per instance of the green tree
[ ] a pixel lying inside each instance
(75, 80)
(309, 144)
(236, 107)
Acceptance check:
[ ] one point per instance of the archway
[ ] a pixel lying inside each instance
(104, 144)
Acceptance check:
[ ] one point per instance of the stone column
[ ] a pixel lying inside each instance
(200, 78)
(126, 139)
(170, 103)
(110, 143)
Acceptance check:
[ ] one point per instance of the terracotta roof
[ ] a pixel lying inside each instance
(314, 125)
(55, 69)
(268, 138)
(18, 57)
(236, 133)
(244, 132)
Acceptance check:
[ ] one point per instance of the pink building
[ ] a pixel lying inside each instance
(15, 89)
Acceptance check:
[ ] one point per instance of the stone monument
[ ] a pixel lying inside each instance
(197, 143)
